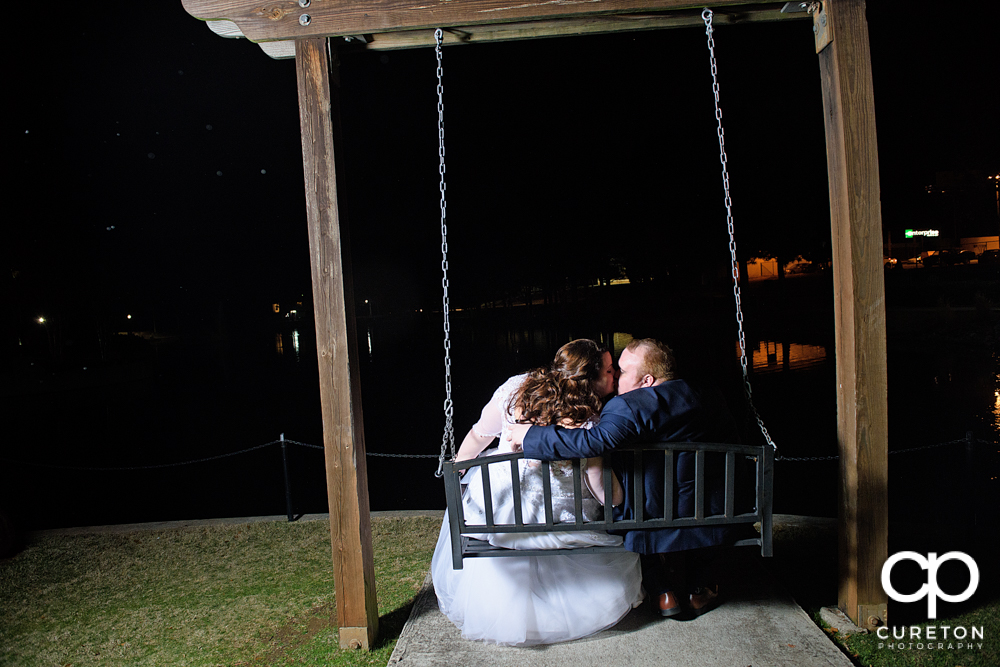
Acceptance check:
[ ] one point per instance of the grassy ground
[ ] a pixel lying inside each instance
(253, 594)
(262, 594)
(868, 649)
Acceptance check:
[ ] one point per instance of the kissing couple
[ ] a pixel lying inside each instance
(558, 413)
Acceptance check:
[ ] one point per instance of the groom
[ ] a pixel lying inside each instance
(653, 405)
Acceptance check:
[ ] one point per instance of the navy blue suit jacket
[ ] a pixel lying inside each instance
(672, 411)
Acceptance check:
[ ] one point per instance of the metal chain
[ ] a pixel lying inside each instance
(390, 456)
(806, 458)
(965, 441)
(940, 444)
(155, 466)
(448, 438)
(706, 16)
(404, 456)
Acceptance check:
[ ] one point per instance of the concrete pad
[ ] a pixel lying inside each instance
(759, 624)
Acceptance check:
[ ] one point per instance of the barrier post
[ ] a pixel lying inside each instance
(288, 483)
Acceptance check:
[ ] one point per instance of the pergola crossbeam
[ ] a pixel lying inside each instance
(338, 18)
(505, 32)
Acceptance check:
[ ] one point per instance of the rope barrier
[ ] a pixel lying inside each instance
(205, 459)
(894, 451)
(417, 456)
(146, 467)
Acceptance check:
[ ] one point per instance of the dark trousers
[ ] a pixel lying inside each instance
(679, 571)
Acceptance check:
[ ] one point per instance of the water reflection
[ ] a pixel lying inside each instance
(771, 356)
(279, 344)
(996, 404)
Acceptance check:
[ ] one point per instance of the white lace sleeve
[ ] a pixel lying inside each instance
(494, 414)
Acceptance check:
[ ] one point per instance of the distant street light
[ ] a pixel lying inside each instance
(996, 182)
(48, 335)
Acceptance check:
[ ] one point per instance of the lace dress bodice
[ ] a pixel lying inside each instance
(496, 421)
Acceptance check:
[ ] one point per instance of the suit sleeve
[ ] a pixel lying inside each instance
(554, 443)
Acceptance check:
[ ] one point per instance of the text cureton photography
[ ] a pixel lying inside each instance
(932, 637)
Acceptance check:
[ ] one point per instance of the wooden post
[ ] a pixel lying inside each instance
(336, 347)
(859, 293)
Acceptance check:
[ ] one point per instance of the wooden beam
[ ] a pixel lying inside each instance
(859, 293)
(505, 32)
(285, 19)
(591, 25)
(336, 347)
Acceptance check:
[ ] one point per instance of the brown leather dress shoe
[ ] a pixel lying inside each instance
(669, 604)
(704, 599)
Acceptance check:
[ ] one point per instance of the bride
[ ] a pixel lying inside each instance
(539, 599)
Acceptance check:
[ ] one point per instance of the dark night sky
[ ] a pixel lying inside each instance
(155, 169)
(153, 162)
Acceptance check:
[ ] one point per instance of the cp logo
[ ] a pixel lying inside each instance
(930, 590)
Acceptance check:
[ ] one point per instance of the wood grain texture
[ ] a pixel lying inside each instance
(340, 387)
(859, 294)
(590, 25)
(280, 19)
(505, 32)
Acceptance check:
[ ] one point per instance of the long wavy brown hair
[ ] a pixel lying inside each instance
(565, 392)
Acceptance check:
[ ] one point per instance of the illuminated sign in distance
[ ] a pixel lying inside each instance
(910, 233)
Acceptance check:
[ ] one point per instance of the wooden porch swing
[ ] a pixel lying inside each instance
(310, 30)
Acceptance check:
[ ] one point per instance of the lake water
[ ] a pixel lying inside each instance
(201, 398)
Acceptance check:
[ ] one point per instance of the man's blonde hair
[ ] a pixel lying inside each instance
(657, 359)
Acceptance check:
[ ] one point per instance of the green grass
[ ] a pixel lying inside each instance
(868, 649)
(263, 594)
(251, 594)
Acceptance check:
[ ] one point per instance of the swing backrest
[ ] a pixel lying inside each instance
(760, 515)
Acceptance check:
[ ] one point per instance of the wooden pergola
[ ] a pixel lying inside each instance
(310, 31)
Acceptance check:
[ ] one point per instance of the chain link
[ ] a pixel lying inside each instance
(448, 438)
(706, 16)
(155, 466)
(806, 458)
(960, 441)
(965, 441)
(940, 444)
(158, 466)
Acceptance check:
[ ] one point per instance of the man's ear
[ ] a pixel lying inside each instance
(648, 380)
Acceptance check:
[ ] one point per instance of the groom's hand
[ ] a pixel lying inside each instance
(516, 436)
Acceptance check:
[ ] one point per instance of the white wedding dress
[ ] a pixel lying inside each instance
(533, 599)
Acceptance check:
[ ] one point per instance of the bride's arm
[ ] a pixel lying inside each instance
(473, 445)
(594, 477)
(486, 430)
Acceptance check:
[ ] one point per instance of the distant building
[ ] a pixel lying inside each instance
(962, 204)
(978, 244)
